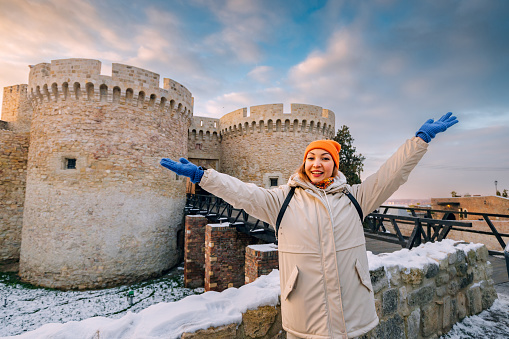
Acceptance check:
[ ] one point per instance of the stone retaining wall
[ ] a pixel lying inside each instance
(416, 303)
(262, 323)
(424, 303)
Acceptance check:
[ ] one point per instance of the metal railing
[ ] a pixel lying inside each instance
(426, 227)
(218, 210)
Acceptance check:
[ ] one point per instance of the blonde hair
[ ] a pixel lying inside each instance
(301, 171)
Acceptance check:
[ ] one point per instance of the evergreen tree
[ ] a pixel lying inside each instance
(350, 163)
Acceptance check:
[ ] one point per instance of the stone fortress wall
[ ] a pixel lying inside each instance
(204, 142)
(266, 144)
(14, 141)
(84, 201)
(99, 210)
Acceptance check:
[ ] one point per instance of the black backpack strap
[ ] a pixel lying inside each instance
(354, 202)
(283, 209)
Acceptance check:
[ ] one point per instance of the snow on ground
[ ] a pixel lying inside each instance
(106, 313)
(25, 308)
(170, 320)
(492, 323)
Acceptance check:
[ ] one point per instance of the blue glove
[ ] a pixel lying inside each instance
(185, 168)
(431, 127)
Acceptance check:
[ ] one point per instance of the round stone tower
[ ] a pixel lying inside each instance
(267, 146)
(99, 209)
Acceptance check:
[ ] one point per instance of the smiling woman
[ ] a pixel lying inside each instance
(326, 289)
(321, 161)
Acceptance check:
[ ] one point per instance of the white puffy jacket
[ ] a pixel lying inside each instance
(326, 289)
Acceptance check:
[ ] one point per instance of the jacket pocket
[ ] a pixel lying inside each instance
(290, 284)
(363, 275)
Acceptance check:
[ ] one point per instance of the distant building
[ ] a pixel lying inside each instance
(478, 204)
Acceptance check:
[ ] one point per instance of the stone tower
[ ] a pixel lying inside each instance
(14, 141)
(99, 209)
(264, 147)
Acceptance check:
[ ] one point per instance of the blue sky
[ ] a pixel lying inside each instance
(384, 67)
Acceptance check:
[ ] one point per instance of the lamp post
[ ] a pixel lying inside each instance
(496, 190)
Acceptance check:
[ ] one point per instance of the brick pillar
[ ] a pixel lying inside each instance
(225, 251)
(260, 260)
(194, 251)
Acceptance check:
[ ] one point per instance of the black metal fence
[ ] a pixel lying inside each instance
(426, 226)
(218, 210)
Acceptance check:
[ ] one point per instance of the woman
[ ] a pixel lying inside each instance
(326, 289)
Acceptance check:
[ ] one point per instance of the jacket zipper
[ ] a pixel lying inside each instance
(325, 280)
(329, 210)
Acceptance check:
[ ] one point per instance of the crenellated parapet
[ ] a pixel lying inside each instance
(271, 119)
(80, 80)
(203, 128)
(93, 163)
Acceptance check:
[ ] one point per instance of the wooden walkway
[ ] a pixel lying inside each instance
(499, 267)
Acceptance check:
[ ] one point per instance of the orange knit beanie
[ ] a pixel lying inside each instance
(330, 146)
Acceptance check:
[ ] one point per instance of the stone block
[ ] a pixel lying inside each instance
(441, 291)
(453, 287)
(378, 308)
(452, 272)
(390, 301)
(431, 270)
(443, 264)
(403, 308)
(391, 328)
(421, 296)
(482, 254)
(395, 275)
(454, 311)
(452, 257)
(446, 313)
(474, 300)
(429, 319)
(465, 281)
(442, 279)
(479, 273)
(488, 294)
(412, 276)
(378, 279)
(461, 269)
(221, 332)
(489, 269)
(471, 257)
(460, 254)
(258, 322)
(413, 322)
(462, 305)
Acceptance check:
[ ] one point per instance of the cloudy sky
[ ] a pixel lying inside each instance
(384, 67)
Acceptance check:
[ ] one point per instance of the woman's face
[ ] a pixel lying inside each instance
(319, 165)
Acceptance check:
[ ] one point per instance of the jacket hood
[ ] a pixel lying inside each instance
(338, 184)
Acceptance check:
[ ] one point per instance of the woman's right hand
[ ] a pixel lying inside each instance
(185, 168)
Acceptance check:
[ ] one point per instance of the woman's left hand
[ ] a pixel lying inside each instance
(431, 127)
